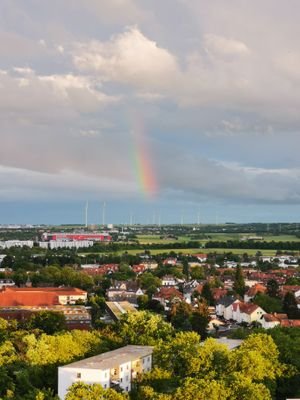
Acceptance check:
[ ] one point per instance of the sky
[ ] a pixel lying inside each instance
(170, 111)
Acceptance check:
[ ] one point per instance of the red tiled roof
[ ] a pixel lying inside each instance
(102, 269)
(218, 293)
(138, 268)
(257, 288)
(168, 292)
(35, 296)
(295, 323)
(270, 318)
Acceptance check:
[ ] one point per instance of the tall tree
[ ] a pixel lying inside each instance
(290, 306)
(273, 288)
(186, 268)
(206, 293)
(239, 283)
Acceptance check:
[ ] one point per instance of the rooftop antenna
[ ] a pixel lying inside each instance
(159, 219)
(86, 213)
(198, 217)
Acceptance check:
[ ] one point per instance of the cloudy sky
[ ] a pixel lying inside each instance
(178, 109)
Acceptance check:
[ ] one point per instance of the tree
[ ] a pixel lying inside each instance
(83, 391)
(268, 303)
(243, 388)
(186, 268)
(48, 321)
(273, 288)
(200, 319)
(180, 355)
(203, 389)
(257, 358)
(144, 328)
(143, 301)
(290, 306)
(207, 294)
(180, 314)
(239, 282)
(149, 281)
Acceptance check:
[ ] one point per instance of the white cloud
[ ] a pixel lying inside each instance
(129, 58)
(62, 93)
(219, 45)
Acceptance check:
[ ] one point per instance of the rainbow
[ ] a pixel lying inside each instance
(143, 168)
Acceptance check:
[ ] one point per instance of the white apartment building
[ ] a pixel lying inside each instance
(66, 244)
(115, 368)
(16, 243)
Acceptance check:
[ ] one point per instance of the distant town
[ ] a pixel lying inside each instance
(227, 283)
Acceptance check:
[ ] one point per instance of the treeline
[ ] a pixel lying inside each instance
(249, 244)
(266, 366)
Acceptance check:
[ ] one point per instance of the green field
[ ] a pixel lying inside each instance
(223, 237)
(265, 252)
(155, 239)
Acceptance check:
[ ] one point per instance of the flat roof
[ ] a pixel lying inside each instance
(230, 343)
(118, 308)
(112, 359)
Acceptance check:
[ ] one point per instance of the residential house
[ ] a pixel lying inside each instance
(170, 261)
(124, 291)
(224, 307)
(104, 269)
(168, 295)
(269, 321)
(113, 369)
(169, 280)
(189, 288)
(247, 312)
(253, 291)
(138, 269)
(6, 282)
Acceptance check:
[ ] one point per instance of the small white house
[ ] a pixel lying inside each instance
(269, 321)
(113, 369)
(169, 280)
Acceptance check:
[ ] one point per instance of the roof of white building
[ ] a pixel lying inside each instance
(230, 343)
(112, 359)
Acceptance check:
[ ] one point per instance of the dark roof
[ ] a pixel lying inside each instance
(227, 300)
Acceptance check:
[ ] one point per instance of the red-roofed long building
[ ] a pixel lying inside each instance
(14, 296)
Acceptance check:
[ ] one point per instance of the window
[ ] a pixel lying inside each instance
(148, 359)
(126, 388)
(127, 377)
(105, 375)
(105, 386)
(121, 379)
(78, 375)
(143, 361)
(121, 369)
(127, 366)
